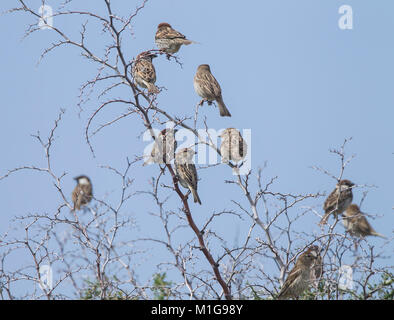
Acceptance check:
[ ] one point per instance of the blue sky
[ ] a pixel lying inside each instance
(287, 72)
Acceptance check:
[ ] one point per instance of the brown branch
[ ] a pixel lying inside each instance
(203, 248)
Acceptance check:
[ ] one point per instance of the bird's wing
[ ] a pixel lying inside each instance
(86, 193)
(238, 144)
(169, 33)
(75, 194)
(210, 83)
(291, 280)
(189, 173)
(146, 71)
(331, 202)
(363, 225)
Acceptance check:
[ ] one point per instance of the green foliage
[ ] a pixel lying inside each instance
(255, 294)
(384, 289)
(161, 288)
(93, 291)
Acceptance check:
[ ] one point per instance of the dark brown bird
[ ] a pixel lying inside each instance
(338, 201)
(186, 171)
(356, 223)
(168, 39)
(144, 72)
(207, 87)
(83, 192)
(300, 277)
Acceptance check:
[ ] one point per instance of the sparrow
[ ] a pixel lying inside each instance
(300, 277)
(233, 146)
(164, 148)
(338, 201)
(82, 193)
(169, 40)
(207, 87)
(144, 72)
(186, 171)
(356, 223)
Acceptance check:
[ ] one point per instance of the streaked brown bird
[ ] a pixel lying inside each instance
(233, 146)
(186, 171)
(338, 201)
(82, 193)
(144, 72)
(169, 40)
(164, 148)
(207, 87)
(356, 223)
(300, 277)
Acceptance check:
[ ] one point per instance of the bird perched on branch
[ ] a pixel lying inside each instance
(356, 223)
(207, 87)
(164, 148)
(169, 40)
(186, 171)
(233, 146)
(82, 193)
(144, 72)
(339, 200)
(301, 276)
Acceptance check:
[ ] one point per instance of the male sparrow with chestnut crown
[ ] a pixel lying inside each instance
(169, 40)
(164, 148)
(82, 193)
(186, 171)
(338, 201)
(144, 72)
(356, 223)
(300, 277)
(233, 146)
(207, 87)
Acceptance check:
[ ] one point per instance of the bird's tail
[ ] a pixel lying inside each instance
(187, 42)
(152, 88)
(222, 108)
(195, 195)
(374, 233)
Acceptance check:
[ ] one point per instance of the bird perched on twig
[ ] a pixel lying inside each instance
(164, 148)
(207, 87)
(233, 146)
(338, 201)
(300, 277)
(82, 193)
(186, 171)
(144, 72)
(169, 40)
(356, 223)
